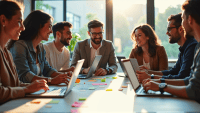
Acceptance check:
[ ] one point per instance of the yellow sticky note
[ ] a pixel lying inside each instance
(108, 89)
(92, 80)
(114, 77)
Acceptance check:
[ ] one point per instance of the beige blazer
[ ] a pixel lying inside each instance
(158, 62)
(82, 50)
(10, 86)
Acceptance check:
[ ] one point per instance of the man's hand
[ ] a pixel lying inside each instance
(150, 85)
(61, 78)
(86, 70)
(143, 68)
(36, 86)
(142, 75)
(101, 72)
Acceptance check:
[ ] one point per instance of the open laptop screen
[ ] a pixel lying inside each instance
(131, 74)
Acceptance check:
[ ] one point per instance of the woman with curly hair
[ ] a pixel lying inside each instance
(148, 50)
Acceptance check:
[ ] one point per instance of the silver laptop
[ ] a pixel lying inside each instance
(119, 58)
(92, 67)
(56, 91)
(135, 83)
(135, 64)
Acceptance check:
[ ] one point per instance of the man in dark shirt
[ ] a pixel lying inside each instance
(187, 45)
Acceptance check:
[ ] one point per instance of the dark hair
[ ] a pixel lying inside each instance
(192, 8)
(94, 24)
(177, 19)
(9, 8)
(33, 23)
(153, 41)
(60, 27)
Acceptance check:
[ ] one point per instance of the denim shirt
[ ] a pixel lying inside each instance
(24, 57)
(185, 58)
(193, 88)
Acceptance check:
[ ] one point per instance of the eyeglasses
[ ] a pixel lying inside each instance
(95, 34)
(170, 28)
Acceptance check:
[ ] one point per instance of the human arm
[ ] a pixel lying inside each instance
(179, 91)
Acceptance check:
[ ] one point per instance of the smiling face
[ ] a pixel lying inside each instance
(46, 30)
(140, 38)
(172, 32)
(14, 27)
(96, 35)
(66, 36)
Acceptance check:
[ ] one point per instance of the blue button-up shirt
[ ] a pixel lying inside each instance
(24, 57)
(185, 58)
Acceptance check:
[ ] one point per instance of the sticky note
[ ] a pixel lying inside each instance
(76, 104)
(74, 111)
(35, 102)
(108, 89)
(108, 77)
(101, 86)
(120, 89)
(76, 83)
(114, 77)
(82, 99)
(48, 106)
(124, 86)
(103, 80)
(96, 78)
(92, 80)
(54, 102)
(77, 80)
(92, 88)
(96, 84)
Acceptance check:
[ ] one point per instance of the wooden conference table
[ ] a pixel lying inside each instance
(100, 100)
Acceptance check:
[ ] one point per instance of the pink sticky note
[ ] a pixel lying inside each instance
(76, 104)
(74, 110)
(96, 84)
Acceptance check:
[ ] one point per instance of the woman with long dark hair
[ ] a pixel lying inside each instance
(148, 51)
(11, 17)
(29, 54)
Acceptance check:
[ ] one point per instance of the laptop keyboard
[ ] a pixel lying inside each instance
(57, 90)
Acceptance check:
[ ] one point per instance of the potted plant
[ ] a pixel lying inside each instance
(75, 38)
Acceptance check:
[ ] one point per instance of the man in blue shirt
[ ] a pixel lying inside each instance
(187, 45)
(189, 87)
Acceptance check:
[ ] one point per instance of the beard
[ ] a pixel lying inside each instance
(64, 41)
(96, 42)
(174, 40)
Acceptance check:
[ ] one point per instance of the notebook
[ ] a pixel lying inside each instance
(56, 91)
(122, 66)
(92, 68)
(135, 83)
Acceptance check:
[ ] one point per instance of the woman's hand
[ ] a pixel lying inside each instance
(36, 86)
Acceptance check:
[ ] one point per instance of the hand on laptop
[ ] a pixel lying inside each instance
(61, 78)
(86, 70)
(150, 85)
(36, 86)
(142, 75)
(100, 72)
(143, 68)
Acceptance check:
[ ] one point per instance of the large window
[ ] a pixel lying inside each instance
(163, 9)
(127, 14)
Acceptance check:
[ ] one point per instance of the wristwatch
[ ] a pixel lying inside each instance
(162, 86)
(49, 80)
(152, 76)
(162, 80)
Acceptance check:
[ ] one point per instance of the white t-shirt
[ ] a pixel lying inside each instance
(58, 60)
(94, 52)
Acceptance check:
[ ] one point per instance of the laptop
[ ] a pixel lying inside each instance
(122, 66)
(135, 83)
(92, 68)
(135, 64)
(59, 92)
